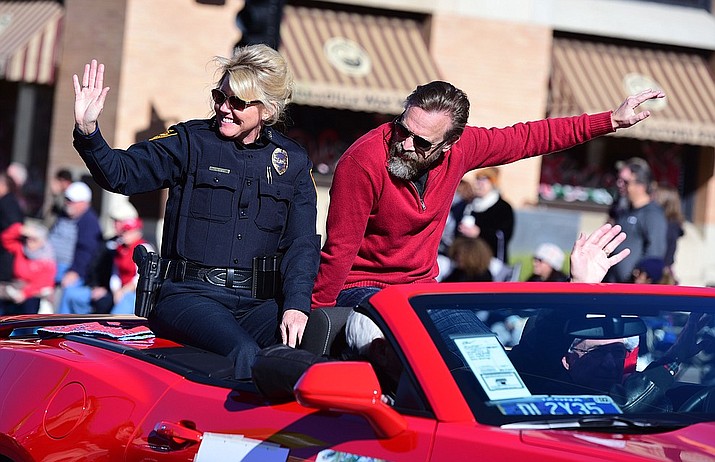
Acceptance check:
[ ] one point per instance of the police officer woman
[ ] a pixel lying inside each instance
(242, 203)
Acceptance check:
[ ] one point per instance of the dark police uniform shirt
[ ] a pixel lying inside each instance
(227, 202)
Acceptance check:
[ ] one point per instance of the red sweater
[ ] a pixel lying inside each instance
(379, 231)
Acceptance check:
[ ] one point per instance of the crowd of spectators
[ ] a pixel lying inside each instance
(475, 242)
(51, 258)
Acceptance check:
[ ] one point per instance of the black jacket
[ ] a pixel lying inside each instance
(227, 202)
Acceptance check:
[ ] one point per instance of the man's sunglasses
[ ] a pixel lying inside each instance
(234, 101)
(403, 133)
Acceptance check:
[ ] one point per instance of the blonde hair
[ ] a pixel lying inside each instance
(259, 73)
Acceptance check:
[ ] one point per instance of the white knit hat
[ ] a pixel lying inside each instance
(551, 254)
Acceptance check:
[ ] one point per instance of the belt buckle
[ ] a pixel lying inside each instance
(225, 277)
(216, 276)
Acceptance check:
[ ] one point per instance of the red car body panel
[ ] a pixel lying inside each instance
(73, 398)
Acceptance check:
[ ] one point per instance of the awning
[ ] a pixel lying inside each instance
(354, 61)
(593, 77)
(29, 40)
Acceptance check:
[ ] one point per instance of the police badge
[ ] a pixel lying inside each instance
(279, 159)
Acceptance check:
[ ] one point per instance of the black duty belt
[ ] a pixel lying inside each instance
(233, 278)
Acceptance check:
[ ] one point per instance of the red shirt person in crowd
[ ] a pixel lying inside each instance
(34, 267)
(392, 189)
(130, 232)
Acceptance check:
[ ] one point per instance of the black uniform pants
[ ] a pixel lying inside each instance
(225, 321)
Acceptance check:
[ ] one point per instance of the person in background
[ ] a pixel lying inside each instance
(642, 219)
(488, 215)
(76, 237)
(10, 213)
(648, 271)
(18, 172)
(669, 199)
(471, 257)
(131, 234)
(548, 263)
(241, 196)
(104, 283)
(110, 285)
(393, 188)
(34, 268)
(58, 185)
(462, 197)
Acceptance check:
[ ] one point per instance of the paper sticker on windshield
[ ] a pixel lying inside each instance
(559, 405)
(490, 365)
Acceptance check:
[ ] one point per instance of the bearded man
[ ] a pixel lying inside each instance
(393, 187)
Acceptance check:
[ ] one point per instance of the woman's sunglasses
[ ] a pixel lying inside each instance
(234, 101)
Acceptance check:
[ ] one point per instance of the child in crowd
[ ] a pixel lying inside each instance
(648, 271)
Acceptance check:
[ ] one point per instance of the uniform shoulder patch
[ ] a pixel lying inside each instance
(166, 134)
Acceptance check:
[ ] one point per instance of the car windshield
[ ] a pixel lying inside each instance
(565, 360)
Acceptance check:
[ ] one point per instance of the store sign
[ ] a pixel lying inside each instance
(635, 83)
(347, 56)
(343, 97)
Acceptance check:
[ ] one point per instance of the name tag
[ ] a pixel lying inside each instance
(219, 169)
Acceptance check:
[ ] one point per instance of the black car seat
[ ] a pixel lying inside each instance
(324, 334)
(277, 368)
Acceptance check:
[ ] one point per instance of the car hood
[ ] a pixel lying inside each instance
(695, 442)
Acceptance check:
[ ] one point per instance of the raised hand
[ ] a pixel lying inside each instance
(626, 115)
(89, 97)
(591, 255)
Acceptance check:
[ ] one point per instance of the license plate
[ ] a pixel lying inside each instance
(559, 405)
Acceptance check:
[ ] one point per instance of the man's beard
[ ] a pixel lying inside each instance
(407, 165)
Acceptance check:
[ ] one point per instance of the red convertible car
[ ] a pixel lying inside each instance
(488, 371)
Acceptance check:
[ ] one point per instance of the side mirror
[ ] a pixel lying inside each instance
(352, 387)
